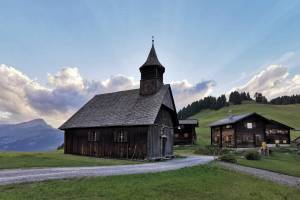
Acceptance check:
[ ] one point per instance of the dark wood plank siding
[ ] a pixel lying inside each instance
(104, 146)
(154, 145)
(185, 135)
(259, 130)
(216, 136)
(275, 132)
(163, 127)
(224, 136)
(253, 137)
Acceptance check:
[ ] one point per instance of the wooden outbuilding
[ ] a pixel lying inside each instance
(131, 124)
(247, 131)
(185, 133)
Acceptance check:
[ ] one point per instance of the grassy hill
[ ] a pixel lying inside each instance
(287, 114)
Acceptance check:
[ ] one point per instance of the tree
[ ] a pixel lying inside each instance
(221, 102)
(249, 97)
(235, 98)
(284, 100)
(209, 102)
(259, 98)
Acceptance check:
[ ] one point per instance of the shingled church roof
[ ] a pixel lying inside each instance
(124, 108)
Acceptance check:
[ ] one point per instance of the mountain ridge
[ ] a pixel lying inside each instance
(33, 135)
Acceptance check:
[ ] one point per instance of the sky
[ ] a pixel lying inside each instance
(55, 55)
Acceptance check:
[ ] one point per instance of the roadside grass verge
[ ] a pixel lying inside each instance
(284, 162)
(11, 160)
(199, 182)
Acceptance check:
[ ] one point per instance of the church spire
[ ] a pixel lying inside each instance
(151, 73)
(152, 59)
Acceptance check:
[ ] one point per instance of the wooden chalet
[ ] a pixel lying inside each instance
(185, 133)
(247, 131)
(132, 124)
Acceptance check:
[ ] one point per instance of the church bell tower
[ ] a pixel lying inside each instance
(151, 74)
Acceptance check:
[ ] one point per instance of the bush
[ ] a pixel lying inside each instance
(228, 158)
(252, 155)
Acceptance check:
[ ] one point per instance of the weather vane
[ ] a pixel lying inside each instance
(152, 40)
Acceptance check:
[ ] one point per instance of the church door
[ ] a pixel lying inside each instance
(163, 145)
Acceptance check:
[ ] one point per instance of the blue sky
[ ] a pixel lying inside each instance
(227, 42)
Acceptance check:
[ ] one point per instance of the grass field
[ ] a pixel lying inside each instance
(287, 114)
(201, 182)
(9, 160)
(281, 162)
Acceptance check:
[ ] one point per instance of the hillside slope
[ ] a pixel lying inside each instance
(287, 114)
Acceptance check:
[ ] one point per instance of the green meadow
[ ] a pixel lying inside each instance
(200, 182)
(10, 160)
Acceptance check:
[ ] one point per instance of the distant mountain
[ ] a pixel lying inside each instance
(35, 135)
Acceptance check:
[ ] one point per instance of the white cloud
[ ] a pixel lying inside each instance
(13, 98)
(22, 98)
(273, 81)
(4, 115)
(185, 93)
(68, 79)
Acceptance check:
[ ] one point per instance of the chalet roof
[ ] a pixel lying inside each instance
(152, 59)
(124, 108)
(231, 119)
(280, 124)
(188, 121)
(236, 118)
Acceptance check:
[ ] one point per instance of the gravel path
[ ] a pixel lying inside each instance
(41, 174)
(264, 174)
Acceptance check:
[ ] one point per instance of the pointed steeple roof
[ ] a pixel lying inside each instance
(152, 59)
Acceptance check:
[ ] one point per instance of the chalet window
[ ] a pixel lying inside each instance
(250, 125)
(228, 126)
(282, 131)
(92, 136)
(120, 136)
(276, 131)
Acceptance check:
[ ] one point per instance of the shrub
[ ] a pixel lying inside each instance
(252, 155)
(228, 158)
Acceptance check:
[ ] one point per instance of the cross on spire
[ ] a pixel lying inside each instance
(152, 40)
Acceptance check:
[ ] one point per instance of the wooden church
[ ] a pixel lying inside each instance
(131, 124)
